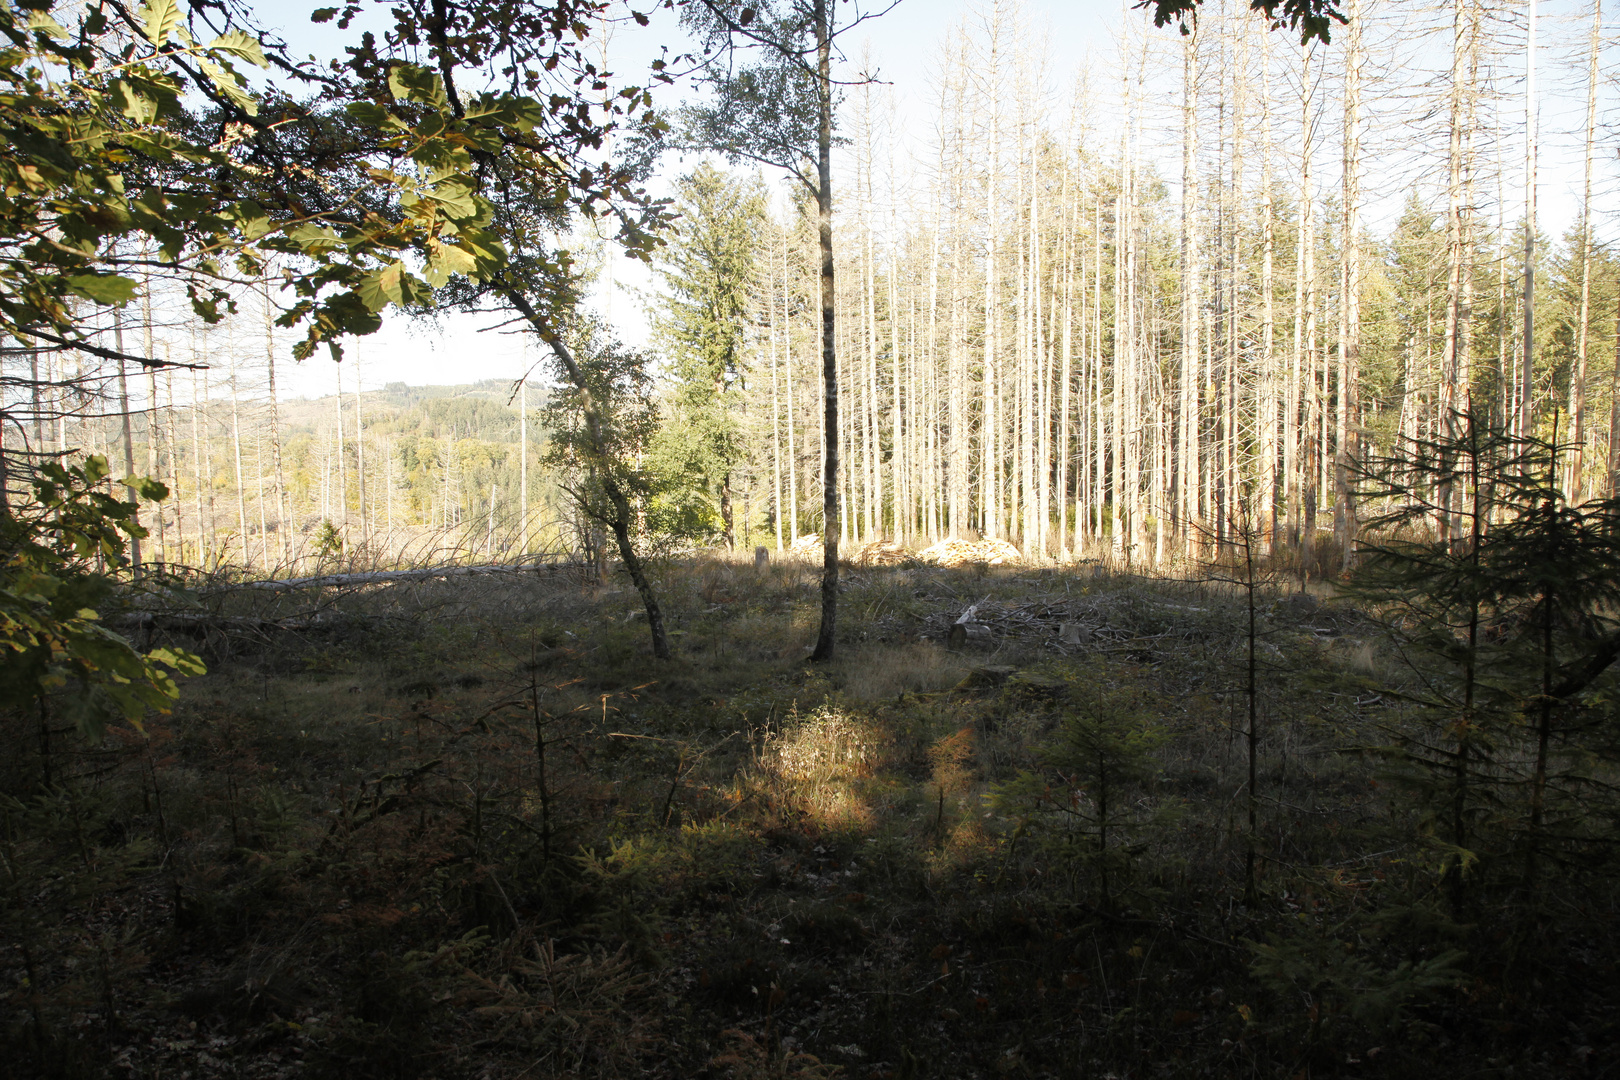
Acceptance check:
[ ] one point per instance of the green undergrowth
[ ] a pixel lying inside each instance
(472, 828)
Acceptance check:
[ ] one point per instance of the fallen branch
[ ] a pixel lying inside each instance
(381, 577)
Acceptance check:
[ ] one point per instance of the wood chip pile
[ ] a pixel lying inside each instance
(807, 546)
(958, 553)
(951, 554)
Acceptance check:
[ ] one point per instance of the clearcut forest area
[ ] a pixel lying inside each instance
(569, 539)
(467, 827)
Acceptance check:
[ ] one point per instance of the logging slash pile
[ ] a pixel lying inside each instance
(884, 553)
(952, 554)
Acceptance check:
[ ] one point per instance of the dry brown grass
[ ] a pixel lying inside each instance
(825, 766)
(883, 672)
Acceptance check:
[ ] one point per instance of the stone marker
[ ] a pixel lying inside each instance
(761, 557)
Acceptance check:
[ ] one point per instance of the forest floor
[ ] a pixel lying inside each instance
(471, 828)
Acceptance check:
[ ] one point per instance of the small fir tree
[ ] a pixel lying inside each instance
(1501, 598)
(1085, 801)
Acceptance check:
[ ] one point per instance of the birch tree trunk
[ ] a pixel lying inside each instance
(360, 450)
(1268, 315)
(1455, 376)
(1347, 449)
(203, 524)
(283, 514)
(236, 458)
(1577, 382)
(1186, 485)
(341, 510)
(989, 421)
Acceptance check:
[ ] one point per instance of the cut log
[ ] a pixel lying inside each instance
(965, 634)
(967, 630)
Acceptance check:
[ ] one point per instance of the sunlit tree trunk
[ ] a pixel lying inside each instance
(236, 460)
(1187, 470)
(1577, 382)
(1531, 118)
(792, 416)
(1294, 437)
(826, 636)
(989, 417)
(199, 385)
(283, 510)
(1455, 376)
(360, 451)
(1267, 405)
(1347, 449)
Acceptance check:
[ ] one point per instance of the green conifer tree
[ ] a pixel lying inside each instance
(709, 270)
(1504, 611)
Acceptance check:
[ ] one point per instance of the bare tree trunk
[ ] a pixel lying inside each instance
(958, 463)
(1614, 410)
(283, 510)
(1186, 483)
(1344, 524)
(867, 413)
(203, 524)
(236, 458)
(153, 452)
(1229, 494)
(129, 439)
(1135, 426)
(1099, 397)
(1268, 315)
(152, 414)
(360, 449)
(1065, 272)
(1294, 437)
(989, 421)
(776, 423)
(174, 463)
(523, 470)
(788, 361)
(933, 476)
(1120, 388)
(1456, 376)
(826, 637)
(899, 459)
(341, 512)
(258, 474)
(1531, 119)
(1577, 382)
